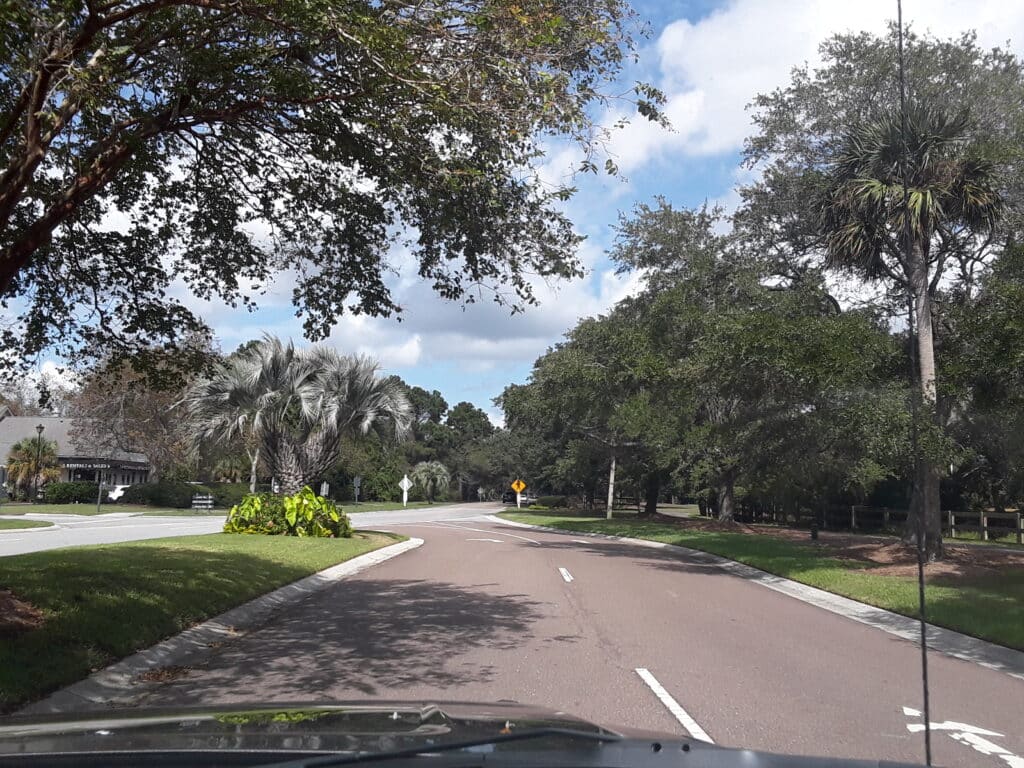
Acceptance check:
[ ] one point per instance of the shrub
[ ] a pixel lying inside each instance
(165, 493)
(227, 495)
(552, 501)
(304, 514)
(538, 508)
(81, 492)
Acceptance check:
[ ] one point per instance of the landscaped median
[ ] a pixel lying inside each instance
(12, 525)
(67, 612)
(979, 592)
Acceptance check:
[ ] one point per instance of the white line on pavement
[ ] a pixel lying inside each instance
(565, 575)
(496, 541)
(673, 706)
(484, 530)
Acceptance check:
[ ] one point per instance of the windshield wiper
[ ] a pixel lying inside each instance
(446, 746)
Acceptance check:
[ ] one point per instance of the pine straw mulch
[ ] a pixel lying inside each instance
(885, 555)
(16, 615)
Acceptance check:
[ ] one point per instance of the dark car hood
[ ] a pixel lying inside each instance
(287, 731)
(371, 727)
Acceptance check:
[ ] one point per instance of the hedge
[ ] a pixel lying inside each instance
(165, 493)
(82, 492)
(552, 501)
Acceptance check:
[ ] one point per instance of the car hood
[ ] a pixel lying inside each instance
(292, 728)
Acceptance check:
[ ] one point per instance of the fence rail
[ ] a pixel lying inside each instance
(983, 526)
(862, 518)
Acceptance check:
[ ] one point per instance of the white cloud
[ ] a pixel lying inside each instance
(400, 355)
(711, 69)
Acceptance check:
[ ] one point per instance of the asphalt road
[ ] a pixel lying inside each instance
(76, 530)
(487, 612)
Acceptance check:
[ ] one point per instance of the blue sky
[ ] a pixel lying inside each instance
(710, 58)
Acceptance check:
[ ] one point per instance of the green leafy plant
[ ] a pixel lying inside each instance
(301, 514)
(69, 493)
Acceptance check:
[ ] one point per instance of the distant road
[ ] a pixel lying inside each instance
(78, 530)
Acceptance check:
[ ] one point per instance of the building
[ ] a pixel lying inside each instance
(77, 462)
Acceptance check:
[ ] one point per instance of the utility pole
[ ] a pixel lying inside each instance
(39, 460)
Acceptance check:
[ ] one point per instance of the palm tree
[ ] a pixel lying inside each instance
(432, 477)
(899, 200)
(231, 469)
(296, 405)
(32, 462)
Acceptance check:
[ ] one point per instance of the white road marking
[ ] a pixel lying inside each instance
(674, 707)
(950, 725)
(970, 736)
(496, 541)
(565, 575)
(484, 530)
(580, 541)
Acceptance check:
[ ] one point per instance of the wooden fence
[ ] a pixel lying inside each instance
(953, 522)
(983, 526)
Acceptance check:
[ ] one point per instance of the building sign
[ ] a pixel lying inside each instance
(86, 465)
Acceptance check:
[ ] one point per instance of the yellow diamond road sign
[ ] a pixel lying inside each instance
(518, 486)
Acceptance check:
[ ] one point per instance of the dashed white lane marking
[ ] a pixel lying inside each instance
(673, 706)
(565, 575)
(496, 541)
(580, 541)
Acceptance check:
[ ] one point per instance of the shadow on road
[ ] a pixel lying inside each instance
(361, 639)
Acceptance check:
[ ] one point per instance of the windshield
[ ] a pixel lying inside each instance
(378, 375)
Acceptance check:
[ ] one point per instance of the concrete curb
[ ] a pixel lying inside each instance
(113, 684)
(946, 641)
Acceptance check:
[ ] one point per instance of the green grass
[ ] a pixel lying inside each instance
(974, 537)
(991, 608)
(102, 603)
(70, 509)
(383, 506)
(10, 525)
(185, 512)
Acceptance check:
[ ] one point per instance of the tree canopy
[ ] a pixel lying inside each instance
(150, 147)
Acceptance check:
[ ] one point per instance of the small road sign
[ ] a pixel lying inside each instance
(518, 486)
(405, 485)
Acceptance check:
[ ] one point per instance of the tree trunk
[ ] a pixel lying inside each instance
(291, 476)
(255, 456)
(611, 488)
(726, 500)
(925, 504)
(651, 491)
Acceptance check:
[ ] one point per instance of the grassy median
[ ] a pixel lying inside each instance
(990, 607)
(68, 612)
(11, 525)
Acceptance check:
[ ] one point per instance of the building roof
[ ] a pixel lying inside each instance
(15, 428)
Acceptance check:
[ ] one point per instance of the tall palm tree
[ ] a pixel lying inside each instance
(32, 462)
(898, 201)
(432, 477)
(297, 405)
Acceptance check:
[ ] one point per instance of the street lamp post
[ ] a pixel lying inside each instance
(39, 461)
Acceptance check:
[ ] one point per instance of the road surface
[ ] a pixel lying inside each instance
(76, 530)
(485, 612)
